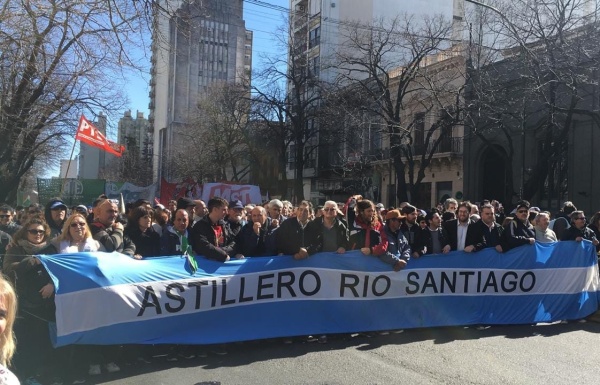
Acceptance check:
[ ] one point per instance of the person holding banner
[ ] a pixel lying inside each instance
(366, 232)
(257, 237)
(36, 295)
(175, 239)
(211, 235)
(139, 229)
(108, 232)
(433, 239)
(398, 250)
(291, 237)
(519, 231)
(75, 237)
(328, 232)
(578, 230)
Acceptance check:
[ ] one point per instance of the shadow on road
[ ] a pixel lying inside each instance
(246, 353)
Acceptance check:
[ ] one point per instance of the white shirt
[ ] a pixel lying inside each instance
(461, 235)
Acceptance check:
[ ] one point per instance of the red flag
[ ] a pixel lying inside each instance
(88, 133)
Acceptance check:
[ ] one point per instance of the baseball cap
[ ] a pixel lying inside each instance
(380, 206)
(236, 204)
(58, 204)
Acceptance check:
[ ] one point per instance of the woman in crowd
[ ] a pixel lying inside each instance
(36, 298)
(75, 237)
(8, 313)
(140, 231)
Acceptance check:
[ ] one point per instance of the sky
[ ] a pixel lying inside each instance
(263, 21)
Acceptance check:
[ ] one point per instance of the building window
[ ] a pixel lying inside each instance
(314, 37)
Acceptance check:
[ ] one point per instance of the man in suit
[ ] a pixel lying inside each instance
(458, 229)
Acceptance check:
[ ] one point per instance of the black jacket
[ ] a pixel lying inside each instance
(315, 235)
(424, 243)
(147, 244)
(573, 232)
(204, 240)
(252, 245)
(480, 235)
(411, 233)
(290, 237)
(517, 234)
(451, 227)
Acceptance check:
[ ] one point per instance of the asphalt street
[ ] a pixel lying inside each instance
(520, 354)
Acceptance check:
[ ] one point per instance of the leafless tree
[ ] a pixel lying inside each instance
(387, 67)
(58, 59)
(544, 83)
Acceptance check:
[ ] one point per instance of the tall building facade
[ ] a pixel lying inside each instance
(196, 44)
(317, 26)
(136, 133)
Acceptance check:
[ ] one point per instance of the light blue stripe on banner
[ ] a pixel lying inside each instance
(93, 270)
(328, 317)
(540, 283)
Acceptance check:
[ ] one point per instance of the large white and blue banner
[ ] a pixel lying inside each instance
(104, 298)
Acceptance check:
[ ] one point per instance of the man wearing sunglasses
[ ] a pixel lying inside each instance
(7, 223)
(579, 230)
(519, 231)
(328, 232)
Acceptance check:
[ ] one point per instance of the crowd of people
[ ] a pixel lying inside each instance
(221, 230)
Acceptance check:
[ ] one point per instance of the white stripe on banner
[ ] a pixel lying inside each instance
(159, 299)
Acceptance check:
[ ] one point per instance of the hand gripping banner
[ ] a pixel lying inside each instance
(108, 298)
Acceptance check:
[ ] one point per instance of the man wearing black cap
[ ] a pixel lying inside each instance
(519, 231)
(55, 213)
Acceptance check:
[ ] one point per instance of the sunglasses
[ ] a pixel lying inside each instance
(522, 211)
(4, 216)
(394, 219)
(580, 218)
(36, 232)
(329, 209)
(77, 224)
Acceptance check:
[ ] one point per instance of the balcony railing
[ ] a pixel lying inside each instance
(447, 145)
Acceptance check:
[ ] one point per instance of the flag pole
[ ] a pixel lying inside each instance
(62, 185)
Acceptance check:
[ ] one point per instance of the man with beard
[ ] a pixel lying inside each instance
(461, 235)
(235, 217)
(433, 239)
(211, 235)
(257, 237)
(291, 236)
(55, 214)
(366, 232)
(108, 232)
(409, 226)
